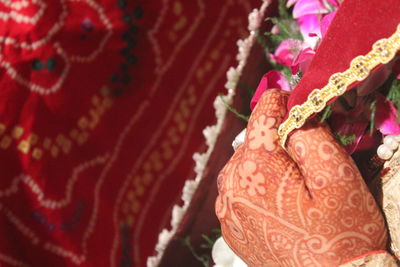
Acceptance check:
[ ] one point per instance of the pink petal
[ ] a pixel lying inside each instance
(309, 27)
(272, 79)
(291, 3)
(386, 116)
(334, 3)
(275, 29)
(369, 141)
(303, 60)
(326, 22)
(287, 51)
(308, 7)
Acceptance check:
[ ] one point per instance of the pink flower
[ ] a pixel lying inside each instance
(308, 7)
(386, 116)
(309, 14)
(355, 123)
(326, 22)
(287, 51)
(367, 140)
(272, 79)
(291, 3)
(294, 54)
(332, 3)
(310, 28)
(302, 61)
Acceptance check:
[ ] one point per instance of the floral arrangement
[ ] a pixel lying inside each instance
(366, 120)
(360, 118)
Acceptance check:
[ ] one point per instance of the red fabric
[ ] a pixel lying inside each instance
(100, 111)
(357, 25)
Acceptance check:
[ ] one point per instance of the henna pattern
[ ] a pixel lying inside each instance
(308, 206)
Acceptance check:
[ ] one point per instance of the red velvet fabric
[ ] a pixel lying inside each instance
(102, 104)
(357, 25)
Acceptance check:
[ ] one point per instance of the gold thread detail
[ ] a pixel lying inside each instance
(383, 51)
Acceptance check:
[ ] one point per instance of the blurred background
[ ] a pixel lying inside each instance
(103, 104)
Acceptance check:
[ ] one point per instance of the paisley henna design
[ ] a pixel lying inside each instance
(305, 207)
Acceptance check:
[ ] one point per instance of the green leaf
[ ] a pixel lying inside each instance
(345, 140)
(204, 259)
(233, 110)
(372, 107)
(216, 231)
(282, 10)
(394, 94)
(288, 29)
(285, 70)
(208, 240)
(275, 39)
(326, 113)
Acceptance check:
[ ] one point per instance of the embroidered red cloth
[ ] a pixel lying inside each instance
(102, 105)
(356, 27)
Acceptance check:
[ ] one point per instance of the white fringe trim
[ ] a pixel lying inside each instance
(210, 133)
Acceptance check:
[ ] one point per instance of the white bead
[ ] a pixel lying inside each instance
(384, 152)
(222, 253)
(238, 262)
(397, 138)
(390, 142)
(239, 139)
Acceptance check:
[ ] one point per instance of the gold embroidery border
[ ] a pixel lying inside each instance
(36, 146)
(383, 51)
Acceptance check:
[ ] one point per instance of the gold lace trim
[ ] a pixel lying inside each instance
(383, 51)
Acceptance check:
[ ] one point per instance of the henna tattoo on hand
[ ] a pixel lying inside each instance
(308, 206)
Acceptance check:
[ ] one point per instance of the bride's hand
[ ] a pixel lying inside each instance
(305, 207)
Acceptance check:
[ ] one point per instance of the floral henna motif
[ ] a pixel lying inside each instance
(261, 134)
(305, 207)
(250, 179)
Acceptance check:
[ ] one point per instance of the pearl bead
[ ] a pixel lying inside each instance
(397, 138)
(391, 142)
(222, 254)
(239, 139)
(384, 152)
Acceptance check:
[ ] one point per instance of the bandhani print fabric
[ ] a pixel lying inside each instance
(101, 103)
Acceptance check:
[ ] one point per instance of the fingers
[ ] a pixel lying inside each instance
(266, 171)
(340, 197)
(255, 170)
(262, 129)
(261, 138)
(322, 160)
(226, 182)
